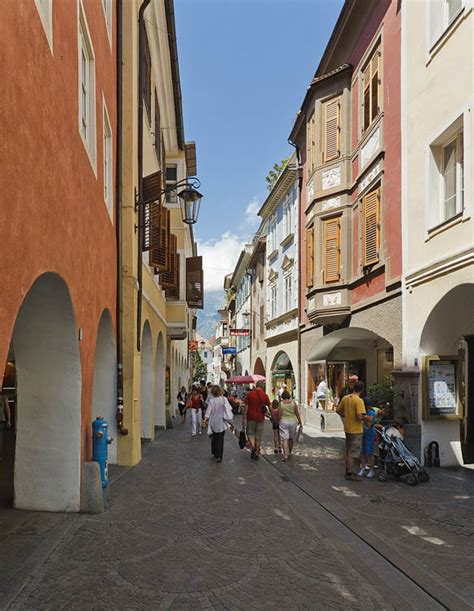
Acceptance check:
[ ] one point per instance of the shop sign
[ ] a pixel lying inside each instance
(239, 332)
(229, 350)
(193, 345)
(441, 387)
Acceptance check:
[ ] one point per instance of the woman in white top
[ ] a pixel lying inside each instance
(218, 418)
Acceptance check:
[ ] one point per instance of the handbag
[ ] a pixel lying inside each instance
(242, 439)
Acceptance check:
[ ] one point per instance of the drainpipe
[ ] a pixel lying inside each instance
(118, 225)
(141, 56)
(301, 374)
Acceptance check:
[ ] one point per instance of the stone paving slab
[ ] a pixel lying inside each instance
(184, 532)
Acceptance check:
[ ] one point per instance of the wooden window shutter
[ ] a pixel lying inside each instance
(147, 78)
(366, 102)
(371, 228)
(194, 283)
(332, 250)
(374, 86)
(168, 278)
(160, 239)
(309, 257)
(158, 141)
(332, 129)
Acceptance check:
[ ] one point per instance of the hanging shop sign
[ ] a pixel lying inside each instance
(239, 332)
(229, 350)
(193, 345)
(441, 384)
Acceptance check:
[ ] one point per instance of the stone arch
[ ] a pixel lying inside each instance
(146, 384)
(104, 391)
(47, 468)
(160, 407)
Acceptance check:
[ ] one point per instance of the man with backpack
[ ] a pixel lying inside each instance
(255, 408)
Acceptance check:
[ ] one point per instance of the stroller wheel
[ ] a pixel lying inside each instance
(412, 480)
(423, 476)
(382, 477)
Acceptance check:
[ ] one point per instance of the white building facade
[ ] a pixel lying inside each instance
(280, 214)
(438, 231)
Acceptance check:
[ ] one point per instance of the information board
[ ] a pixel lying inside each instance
(442, 396)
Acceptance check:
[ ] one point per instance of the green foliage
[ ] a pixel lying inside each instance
(381, 393)
(200, 369)
(275, 172)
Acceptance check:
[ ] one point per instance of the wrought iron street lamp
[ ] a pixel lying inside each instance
(190, 201)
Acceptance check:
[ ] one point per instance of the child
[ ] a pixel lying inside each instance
(368, 441)
(275, 416)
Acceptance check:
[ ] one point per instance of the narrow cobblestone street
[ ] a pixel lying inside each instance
(185, 532)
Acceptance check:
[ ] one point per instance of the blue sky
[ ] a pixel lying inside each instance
(245, 66)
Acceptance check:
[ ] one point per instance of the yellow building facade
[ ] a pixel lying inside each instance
(154, 336)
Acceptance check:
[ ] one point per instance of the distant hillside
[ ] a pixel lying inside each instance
(207, 318)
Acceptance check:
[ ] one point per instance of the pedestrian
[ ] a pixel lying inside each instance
(218, 418)
(5, 421)
(367, 458)
(290, 415)
(195, 404)
(275, 415)
(182, 400)
(255, 408)
(352, 410)
(204, 393)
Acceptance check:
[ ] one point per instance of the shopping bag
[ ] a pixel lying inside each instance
(242, 439)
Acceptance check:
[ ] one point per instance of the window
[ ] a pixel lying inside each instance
(171, 179)
(371, 228)
(442, 14)
(86, 88)
(272, 234)
(45, 10)
(447, 176)
(332, 129)
(288, 293)
(273, 301)
(147, 78)
(311, 139)
(309, 256)
(331, 249)
(107, 153)
(107, 6)
(371, 90)
(288, 213)
(262, 320)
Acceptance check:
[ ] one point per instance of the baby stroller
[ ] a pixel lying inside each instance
(397, 460)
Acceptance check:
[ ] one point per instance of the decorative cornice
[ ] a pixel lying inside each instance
(440, 268)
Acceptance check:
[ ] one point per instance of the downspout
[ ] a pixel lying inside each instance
(300, 394)
(118, 224)
(141, 216)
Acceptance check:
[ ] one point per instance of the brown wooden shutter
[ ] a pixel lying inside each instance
(332, 250)
(194, 283)
(309, 257)
(147, 78)
(152, 187)
(367, 97)
(371, 228)
(168, 278)
(160, 239)
(332, 129)
(374, 86)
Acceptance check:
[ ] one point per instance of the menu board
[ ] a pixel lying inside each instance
(442, 388)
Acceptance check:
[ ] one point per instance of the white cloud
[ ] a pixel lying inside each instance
(219, 258)
(251, 212)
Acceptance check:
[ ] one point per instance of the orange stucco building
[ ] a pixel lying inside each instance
(57, 240)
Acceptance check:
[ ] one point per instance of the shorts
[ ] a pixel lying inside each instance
(182, 408)
(255, 429)
(275, 426)
(287, 430)
(353, 444)
(368, 442)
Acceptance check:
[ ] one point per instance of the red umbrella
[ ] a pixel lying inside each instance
(251, 379)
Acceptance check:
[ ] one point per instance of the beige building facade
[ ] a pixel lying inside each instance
(155, 316)
(438, 230)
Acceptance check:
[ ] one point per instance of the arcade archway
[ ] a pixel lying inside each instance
(146, 384)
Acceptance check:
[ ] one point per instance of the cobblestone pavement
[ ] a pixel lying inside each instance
(184, 532)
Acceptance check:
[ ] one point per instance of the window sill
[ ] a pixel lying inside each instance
(289, 238)
(445, 225)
